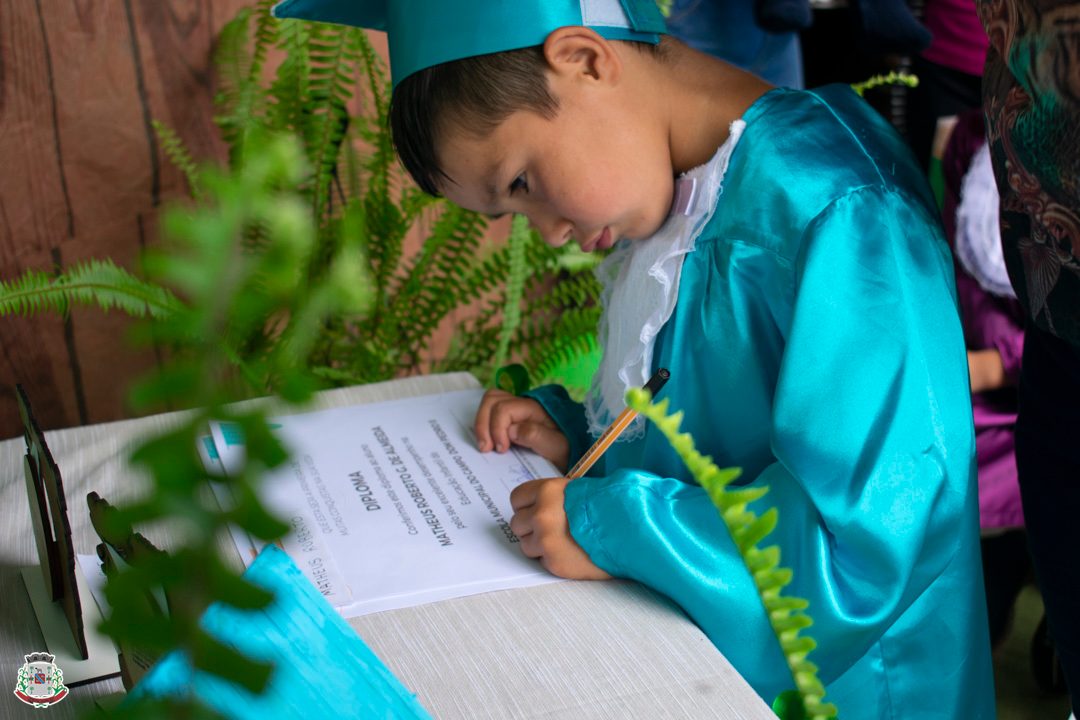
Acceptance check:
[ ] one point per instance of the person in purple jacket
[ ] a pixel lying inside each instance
(994, 334)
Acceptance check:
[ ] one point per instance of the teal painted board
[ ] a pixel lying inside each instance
(322, 667)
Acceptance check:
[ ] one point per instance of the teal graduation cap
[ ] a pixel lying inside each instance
(423, 33)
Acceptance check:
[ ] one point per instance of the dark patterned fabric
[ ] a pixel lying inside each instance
(1031, 95)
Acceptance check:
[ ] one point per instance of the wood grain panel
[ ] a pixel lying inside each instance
(37, 215)
(107, 160)
(84, 177)
(34, 204)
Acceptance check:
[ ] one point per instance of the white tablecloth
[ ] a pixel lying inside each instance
(568, 650)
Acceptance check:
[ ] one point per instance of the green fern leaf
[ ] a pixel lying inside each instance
(178, 154)
(515, 285)
(332, 50)
(786, 615)
(95, 282)
(289, 91)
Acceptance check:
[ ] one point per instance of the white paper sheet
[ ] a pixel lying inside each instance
(95, 580)
(392, 505)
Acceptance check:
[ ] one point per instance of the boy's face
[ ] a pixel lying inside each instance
(596, 172)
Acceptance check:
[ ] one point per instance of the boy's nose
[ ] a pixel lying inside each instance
(554, 231)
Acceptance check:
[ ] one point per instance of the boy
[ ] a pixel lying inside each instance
(780, 253)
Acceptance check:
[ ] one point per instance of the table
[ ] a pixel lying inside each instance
(577, 650)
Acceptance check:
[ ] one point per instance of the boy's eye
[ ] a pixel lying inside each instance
(519, 183)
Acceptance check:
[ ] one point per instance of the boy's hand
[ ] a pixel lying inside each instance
(540, 523)
(504, 418)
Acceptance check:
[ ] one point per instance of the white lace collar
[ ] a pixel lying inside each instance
(641, 286)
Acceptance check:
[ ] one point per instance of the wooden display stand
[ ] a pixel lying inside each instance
(66, 611)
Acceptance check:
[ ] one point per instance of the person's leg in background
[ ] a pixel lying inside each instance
(1048, 461)
(1006, 567)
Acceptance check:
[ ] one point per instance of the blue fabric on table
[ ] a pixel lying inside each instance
(322, 667)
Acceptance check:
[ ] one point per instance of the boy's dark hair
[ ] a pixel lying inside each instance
(475, 93)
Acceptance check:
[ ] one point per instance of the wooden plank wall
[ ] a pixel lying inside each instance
(82, 175)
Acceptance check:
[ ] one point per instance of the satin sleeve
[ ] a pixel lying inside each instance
(872, 445)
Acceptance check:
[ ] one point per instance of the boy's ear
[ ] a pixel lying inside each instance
(574, 51)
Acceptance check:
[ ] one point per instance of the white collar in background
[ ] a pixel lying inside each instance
(978, 232)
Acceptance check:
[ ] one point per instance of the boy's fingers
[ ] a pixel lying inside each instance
(482, 426)
(522, 522)
(503, 419)
(573, 565)
(524, 495)
(543, 532)
(506, 414)
(530, 546)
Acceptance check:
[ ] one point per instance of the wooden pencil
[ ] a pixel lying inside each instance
(612, 433)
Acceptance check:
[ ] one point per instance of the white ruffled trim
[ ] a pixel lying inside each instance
(640, 282)
(978, 229)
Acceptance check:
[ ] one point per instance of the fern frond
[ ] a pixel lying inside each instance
(333, 53)
(486, 275)
(387, 231)
(266, 35)
(233, 59)
(378, 81)
(429, 289)
(388, 228)
(523, 292)
(515, 286)
(179, 156)
(538, 327)
(337, 376)
(786, 615)
(94, 282)
(289, 90)
(241, 101)
(893, 78)
(350, 169)
(562, 356)
(568, 291)
(413, 202)
(471, 347)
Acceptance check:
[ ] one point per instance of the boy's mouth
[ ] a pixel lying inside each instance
(601, 242)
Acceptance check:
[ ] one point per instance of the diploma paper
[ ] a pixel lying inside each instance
(391, 504)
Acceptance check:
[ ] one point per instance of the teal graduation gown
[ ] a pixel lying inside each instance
(816, 344)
